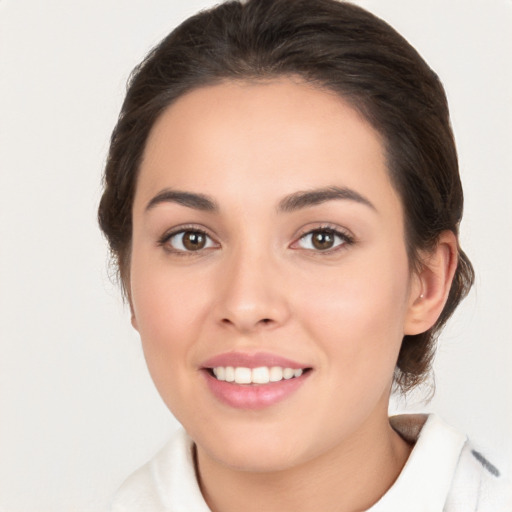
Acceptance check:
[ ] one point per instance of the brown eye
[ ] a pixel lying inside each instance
(189, 241)
(193, 240)
(323, 240)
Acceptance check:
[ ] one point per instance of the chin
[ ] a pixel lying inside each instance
(258, 448)
(255, 458)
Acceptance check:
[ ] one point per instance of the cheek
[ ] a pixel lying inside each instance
(169, 312)
(165, 298)
(357, 313)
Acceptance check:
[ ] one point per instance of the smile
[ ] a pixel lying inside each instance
(253, 380)
(260, 375)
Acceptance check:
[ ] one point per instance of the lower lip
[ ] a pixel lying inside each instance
(253, 396)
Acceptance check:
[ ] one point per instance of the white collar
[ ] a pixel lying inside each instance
(168, 482)
(424, 482)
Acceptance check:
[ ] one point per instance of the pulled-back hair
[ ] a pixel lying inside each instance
(333, 45)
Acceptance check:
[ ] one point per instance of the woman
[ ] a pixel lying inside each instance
(282, 198)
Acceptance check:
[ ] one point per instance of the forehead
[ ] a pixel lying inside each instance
(268, 138)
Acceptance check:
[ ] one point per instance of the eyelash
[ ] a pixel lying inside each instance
(164, 240)
(346, 239)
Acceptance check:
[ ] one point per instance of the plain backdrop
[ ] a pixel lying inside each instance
(78, 410)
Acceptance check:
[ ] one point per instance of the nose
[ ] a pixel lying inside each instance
(252, 293)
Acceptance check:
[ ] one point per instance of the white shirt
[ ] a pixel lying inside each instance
(444, 473)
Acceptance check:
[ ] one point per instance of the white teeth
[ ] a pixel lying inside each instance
(288, 373)
(276, 374)
(243, 375)
(261, 375)
(220, 373)
(230, 374)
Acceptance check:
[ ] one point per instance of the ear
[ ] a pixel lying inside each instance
(431, 284)
(133, 319)
(127, 294)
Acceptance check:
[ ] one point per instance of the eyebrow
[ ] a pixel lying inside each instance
(291, 203)
(299, 200)
(189, 199)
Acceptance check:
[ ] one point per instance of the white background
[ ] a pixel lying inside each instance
(78, 411)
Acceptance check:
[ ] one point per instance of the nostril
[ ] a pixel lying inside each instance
(247, 324)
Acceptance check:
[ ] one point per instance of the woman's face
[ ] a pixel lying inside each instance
(267, 238)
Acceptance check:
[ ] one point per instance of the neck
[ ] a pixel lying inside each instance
(351, 477)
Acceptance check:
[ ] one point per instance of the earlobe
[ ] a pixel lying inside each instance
(433, 283)
(128, 296)
(133, 318)
(134, 321)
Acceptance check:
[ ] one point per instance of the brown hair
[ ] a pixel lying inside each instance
(333, 45)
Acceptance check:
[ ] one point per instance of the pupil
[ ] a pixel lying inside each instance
(323, 240)
(193, 240)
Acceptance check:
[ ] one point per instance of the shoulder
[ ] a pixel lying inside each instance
(448, 470)
(167, 483)
(479, 484)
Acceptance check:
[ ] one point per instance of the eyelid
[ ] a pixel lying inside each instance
(343, 233)
(164, 239)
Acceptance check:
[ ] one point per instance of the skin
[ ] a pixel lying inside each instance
(259, 285)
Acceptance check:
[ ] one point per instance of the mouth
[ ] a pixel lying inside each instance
(253, 381)
(255, 376)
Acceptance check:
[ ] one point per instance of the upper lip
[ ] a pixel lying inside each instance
(256, 360)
